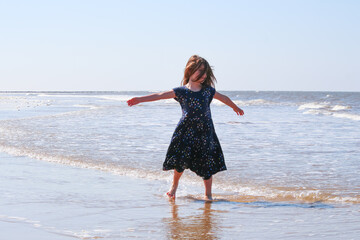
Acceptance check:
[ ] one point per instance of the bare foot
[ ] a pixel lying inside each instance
(208, 198)
(171, 193)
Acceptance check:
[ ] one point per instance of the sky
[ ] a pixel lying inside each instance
(114, 45)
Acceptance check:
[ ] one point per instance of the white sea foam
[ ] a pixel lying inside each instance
(86, 106)
(348, 116)
(83, 163)
(246, 192)
(325, 108)
(314, 105)
(323, 105)
(316, 112)
(340, 108)
(265, 193)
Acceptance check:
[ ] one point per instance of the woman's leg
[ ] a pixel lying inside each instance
(171, 193)
(208, 185)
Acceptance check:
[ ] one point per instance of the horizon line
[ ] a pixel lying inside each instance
(113, 91)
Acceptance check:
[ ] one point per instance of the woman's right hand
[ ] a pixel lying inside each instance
(133, 101)
(151, 97)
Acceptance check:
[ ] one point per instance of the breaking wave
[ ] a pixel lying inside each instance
(326, 108)
(239, 192)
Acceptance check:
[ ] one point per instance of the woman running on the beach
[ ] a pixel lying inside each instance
(194, 144)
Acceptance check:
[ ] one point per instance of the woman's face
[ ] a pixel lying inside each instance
(195, 76)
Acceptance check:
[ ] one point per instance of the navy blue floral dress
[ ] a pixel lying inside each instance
(194, 144)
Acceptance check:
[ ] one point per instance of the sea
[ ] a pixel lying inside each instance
(85, 165)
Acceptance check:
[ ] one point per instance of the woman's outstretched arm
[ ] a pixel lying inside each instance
(151, 97)
(226, 100)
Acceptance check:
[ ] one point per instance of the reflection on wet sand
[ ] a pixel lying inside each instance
(199, 225)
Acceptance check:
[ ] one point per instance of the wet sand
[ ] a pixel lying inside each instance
(42, 200)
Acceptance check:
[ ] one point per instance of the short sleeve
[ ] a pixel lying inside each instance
(212, 93)
(178, 94)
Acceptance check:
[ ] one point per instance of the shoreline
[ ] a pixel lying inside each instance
(44, 200)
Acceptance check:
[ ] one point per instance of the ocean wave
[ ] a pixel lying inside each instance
(328, 109)
(323, 105)
(240, 192)
(313, 105)
(340, 108)
(83, 162)
(246, 193)
(355, 117)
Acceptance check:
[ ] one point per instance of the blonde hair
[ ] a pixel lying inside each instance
(194, 63)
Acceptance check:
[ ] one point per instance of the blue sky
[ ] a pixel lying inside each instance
(297, 45)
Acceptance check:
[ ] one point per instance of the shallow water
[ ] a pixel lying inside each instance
(293, 156)
(42, 200)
